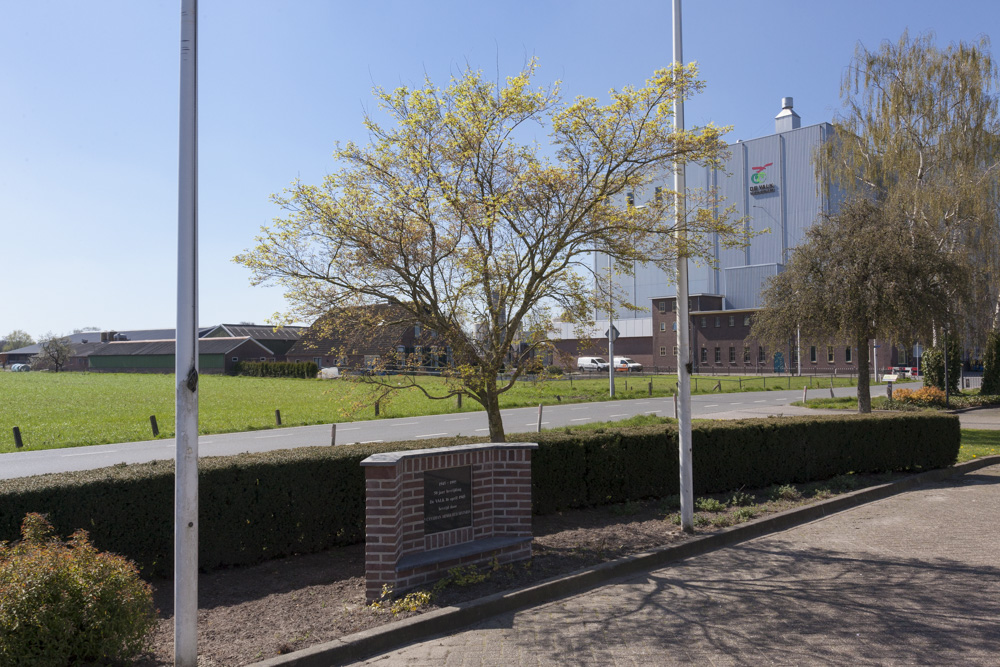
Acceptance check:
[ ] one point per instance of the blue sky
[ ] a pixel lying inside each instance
(89, 114)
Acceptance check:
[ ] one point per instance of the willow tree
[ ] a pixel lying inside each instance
(860, 274)
(920, 133)
(473, 231)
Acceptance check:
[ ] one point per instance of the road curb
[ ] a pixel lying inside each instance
(379, 640)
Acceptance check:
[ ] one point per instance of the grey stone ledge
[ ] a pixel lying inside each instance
(392, 458)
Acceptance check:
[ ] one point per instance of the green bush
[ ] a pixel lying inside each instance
(255, 507)
(67, 604)
(932, 366)
(991, 364)
(276, 369)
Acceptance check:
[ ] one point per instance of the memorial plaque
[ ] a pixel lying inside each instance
(447, 499)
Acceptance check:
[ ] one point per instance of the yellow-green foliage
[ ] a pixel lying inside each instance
(67, 604)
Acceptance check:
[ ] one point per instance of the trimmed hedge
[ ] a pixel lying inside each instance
(306, 370)
(254, 507)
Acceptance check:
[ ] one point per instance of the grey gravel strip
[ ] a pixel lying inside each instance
(450, 619)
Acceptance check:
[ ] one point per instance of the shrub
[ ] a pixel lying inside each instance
(66, 603)
(555, 370)
(991, 364)
(925, 396)
(932, 364)
(255, 507)
(276, 369)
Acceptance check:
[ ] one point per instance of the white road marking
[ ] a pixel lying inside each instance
(651, 412)
(429, 435)
(406, 424)
(368, 442)
(760, 401)
(535, 423)
(713, 405)
(582, 419)
(621, 414)
(481, 429)
(463, 419)
(110, 451)
(353, 428)
(280, 435)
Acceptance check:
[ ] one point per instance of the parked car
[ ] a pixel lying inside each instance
(590, 364)
(20, 368)
(626, 364)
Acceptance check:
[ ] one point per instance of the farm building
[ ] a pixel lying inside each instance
(215, 355)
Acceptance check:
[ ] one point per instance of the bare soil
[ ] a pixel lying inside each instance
(253, 613)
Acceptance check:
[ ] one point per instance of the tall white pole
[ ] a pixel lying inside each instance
(186, 365)
(611, 333)
(683, 342)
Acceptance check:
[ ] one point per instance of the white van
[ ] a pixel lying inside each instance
(592, 364)
(626, 364)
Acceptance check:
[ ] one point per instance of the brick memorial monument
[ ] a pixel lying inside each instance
(429, 510)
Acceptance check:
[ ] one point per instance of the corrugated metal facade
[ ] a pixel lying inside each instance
(771, 181)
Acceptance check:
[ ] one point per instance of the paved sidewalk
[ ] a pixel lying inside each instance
(912, 579)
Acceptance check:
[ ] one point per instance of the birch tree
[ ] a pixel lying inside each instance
(919, 133)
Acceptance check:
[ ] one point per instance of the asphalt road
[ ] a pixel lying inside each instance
(520, 420)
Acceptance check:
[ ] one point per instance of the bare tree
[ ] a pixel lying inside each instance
(54, 353)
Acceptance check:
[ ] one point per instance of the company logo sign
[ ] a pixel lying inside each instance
(759, 179)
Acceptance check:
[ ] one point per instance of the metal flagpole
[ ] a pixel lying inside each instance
(186, 364)
(683, 344)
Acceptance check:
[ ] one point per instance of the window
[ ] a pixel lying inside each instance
(848, 357)
(812, 354)
(236, 358)
(795, 356)
(416, 331)
(732, 320)
(663, 326)
(732, 354)
(663, 350)
(829, 354)
(675, 350)
(760, 354)
(662, 306)
(746, 355)
(746, 320)
(263, 358)
(704, 322)
(904, 356)
(718, 355)
(704, 355)
(674, 326)
(718, 321)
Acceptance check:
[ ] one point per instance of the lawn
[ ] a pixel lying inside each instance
(977, 444)
(73, 409)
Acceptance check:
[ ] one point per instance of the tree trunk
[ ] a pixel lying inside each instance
(495, 420)
(864, 368)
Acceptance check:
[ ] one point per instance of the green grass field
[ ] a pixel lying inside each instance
(74, 409)
(977, 444)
